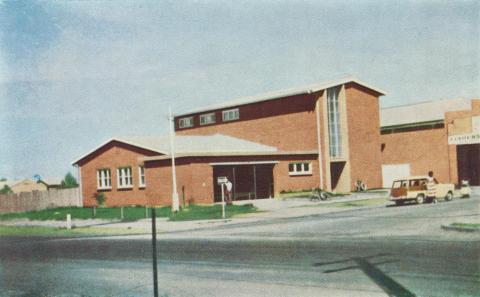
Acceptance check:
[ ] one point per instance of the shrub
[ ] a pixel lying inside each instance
(100, 197)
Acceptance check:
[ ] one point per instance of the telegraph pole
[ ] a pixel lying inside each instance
(175, 202)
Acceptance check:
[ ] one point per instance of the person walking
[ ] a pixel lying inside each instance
(228, 188)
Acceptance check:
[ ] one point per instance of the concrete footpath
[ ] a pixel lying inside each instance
(268, 209)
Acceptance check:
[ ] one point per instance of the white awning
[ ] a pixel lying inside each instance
(243, 163)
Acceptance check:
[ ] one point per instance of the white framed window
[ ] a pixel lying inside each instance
(208, 118)
(124, 177)
(300, 168)
(230, 115)
(185, 122)
(141, 176)
(104, 179)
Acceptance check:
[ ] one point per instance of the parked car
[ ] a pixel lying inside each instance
(414, 188)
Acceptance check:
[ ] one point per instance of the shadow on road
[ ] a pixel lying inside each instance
(386, 283)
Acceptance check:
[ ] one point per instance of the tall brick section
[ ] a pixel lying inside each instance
(290, 124)
(112, 156)
(364, 135)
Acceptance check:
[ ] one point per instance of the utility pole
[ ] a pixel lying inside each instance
(175, 202)
(154, 252)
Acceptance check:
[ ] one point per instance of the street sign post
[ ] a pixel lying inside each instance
(221, 180)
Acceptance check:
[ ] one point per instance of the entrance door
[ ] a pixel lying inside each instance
(250, 181)
(468, 163)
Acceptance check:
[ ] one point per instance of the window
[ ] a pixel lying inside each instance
(208, 118)
(124, 177)
(104, 180)
(334, 136)
(230, 115)
(185, 122)
(303, 168)
(141, 176)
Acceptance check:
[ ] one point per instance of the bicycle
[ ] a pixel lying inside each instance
(318, 195)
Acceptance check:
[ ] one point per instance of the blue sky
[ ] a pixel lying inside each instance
(75, 73)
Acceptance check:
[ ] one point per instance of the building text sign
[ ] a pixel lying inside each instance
(470, 138)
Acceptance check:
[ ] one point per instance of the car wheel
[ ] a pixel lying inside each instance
(449, 196)
(420, 199)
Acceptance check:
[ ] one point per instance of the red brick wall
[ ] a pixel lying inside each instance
(363, 119)
(195, 175)
(112, 156)
(194, 181)
(424, 150)
(288, 124)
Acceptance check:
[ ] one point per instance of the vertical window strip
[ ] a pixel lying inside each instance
(334, 122)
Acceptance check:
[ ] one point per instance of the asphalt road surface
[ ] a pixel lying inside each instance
(384, 251)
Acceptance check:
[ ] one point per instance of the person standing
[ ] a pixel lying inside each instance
(431, 185)
(228, 188)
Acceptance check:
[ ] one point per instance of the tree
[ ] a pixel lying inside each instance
(69, 181)
(6, 189)
(3, 179)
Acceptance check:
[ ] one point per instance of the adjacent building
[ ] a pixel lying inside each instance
(324, 135)
(442, 136)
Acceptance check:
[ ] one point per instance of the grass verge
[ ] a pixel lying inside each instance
(355, 203)
(55, 231)
(192, 212)
(466, 225)
(130, 213)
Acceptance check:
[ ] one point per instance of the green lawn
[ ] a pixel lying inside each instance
(54, 231)
(107, 213)
(193, 212)
(466, 225)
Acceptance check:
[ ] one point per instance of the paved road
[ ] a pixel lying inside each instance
(399, 251)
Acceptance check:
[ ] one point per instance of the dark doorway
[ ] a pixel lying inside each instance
(336, 169)
(249, 181)
(468, 163)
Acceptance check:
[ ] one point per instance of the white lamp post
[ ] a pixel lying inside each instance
(175, 202)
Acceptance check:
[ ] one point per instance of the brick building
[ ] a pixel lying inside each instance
(442, 136)
(324, 135)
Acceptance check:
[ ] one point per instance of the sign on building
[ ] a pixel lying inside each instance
(470, 138)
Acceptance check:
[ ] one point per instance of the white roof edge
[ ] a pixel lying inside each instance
(110, 140)
(307, 89)
(227, 154)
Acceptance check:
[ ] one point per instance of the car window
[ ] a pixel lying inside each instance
(414, 183)
(396, 184)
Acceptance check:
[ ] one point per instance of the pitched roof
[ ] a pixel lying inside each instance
(191, 145)
(307, 89)
(421, 112)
